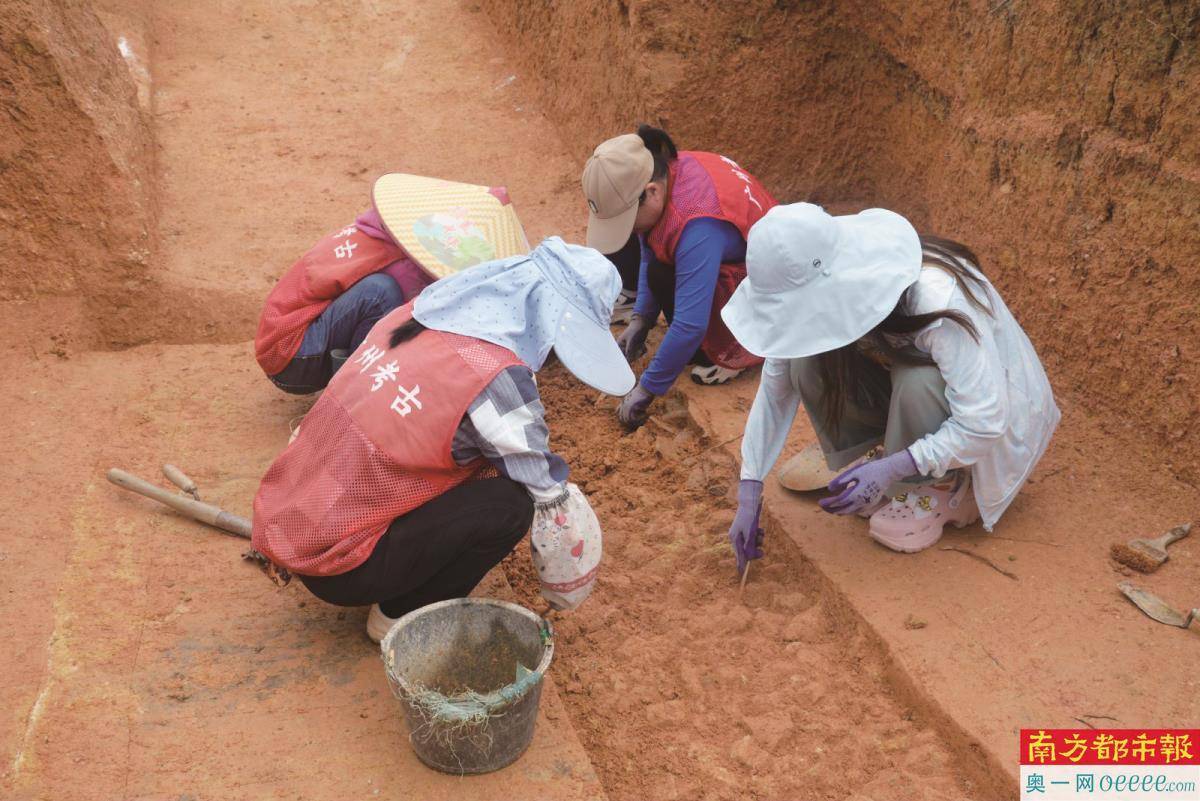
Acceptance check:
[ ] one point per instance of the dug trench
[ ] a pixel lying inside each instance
(681, 688)
(218, 685)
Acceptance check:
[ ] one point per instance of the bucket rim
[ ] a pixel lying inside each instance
(545, 627)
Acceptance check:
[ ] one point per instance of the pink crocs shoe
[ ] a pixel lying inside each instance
(913, 521)
(867, 512)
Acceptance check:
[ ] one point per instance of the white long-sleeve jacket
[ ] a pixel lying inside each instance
(1002, 410)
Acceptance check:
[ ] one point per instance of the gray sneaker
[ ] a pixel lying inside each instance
(623, 309)
(714, 375)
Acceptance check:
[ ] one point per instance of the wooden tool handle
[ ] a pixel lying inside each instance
(234, 524)
(181, 480)
(1177, 533)
(197, 510)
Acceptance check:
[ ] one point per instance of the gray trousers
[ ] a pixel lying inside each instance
(893, 407)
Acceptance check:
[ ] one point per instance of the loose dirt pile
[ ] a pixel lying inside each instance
(679, 690)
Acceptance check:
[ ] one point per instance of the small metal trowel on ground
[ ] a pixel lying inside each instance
(1156, 608)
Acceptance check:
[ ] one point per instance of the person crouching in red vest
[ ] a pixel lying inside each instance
(692, 212)
(425, 460)
(323, 307)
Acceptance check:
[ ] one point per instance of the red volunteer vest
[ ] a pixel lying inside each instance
(375, 446)
(335, 264)
(709, 185)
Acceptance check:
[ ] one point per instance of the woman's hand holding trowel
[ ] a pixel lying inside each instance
(745, 535)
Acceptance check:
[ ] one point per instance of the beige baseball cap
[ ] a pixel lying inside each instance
(613, 179)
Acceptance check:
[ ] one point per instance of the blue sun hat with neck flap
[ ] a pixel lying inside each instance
(558, 297)
(815, 282)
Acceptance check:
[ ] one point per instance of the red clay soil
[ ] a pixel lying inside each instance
(1024, 626)
(682, 690)
(144, 661)
(77, 207)
(1059, 138)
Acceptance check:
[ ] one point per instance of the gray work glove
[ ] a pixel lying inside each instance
(632, 340)
(634, 407)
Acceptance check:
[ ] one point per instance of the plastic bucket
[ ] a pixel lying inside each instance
(468, 674)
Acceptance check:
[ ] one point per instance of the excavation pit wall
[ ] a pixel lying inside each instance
(81, 264)
(77, 207)
(1058, 139)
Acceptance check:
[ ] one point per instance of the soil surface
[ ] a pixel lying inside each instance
(76, 152)
(680, 688)
(146, 661)
(1023, 624)
(143, 658)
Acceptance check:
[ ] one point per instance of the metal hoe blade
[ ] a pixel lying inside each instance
(1155, 607)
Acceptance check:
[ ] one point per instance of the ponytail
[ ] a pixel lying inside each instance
(661, 148)
(405, 331)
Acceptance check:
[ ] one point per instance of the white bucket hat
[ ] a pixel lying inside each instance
(815, 282)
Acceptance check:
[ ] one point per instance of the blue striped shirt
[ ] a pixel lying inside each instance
(506, 424)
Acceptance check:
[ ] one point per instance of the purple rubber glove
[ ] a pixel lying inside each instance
(744, 535)
(632, 411)
(632, 341)
(863, 486)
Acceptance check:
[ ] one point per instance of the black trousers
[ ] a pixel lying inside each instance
(628, 261)
(661, 278)
(438, 551)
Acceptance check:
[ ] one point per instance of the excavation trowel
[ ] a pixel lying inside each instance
(1156, 608)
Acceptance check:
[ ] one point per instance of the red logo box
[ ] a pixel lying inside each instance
(1110, 746)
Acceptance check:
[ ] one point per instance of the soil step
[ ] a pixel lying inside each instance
(985, 653)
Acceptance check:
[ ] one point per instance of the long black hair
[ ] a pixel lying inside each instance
(405, 331)
(841, 370)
